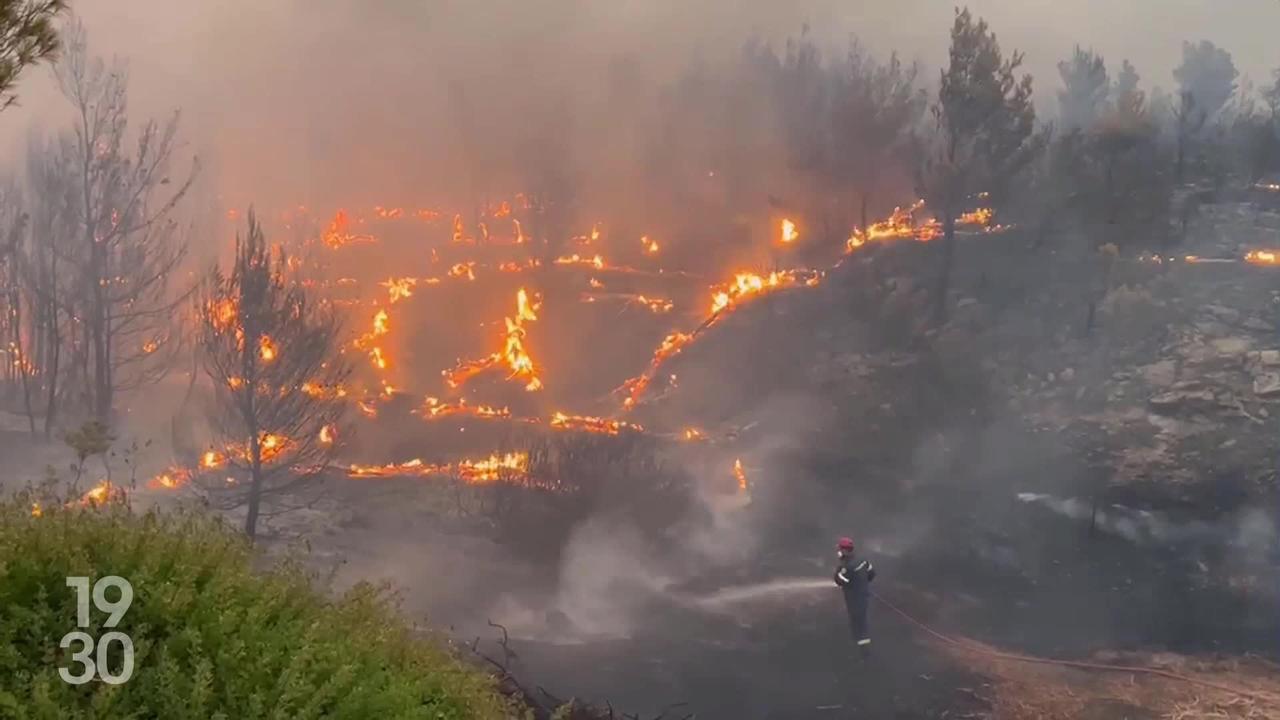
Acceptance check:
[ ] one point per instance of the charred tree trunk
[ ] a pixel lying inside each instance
(24, 371)
(862, 212)
(255, 487)
(55, 348)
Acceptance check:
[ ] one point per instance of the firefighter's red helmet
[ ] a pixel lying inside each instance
(845, 544)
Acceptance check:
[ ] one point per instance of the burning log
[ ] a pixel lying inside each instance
(433, 408)
(512, 465)
(513, 352)
(337, 234)
(592, 424)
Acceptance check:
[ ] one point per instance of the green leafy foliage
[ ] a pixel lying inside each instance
(214, 638)
(27, 36)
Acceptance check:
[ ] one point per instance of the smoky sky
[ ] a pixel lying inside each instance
(394, 101)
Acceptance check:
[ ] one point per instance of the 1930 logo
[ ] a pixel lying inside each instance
(96, 664)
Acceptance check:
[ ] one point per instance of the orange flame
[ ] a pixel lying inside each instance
(586, 423)
(463, 270)
(789, 232)
(596, 262)
(481, 471)
(223, 313)
(399, 288)
(741, 475)
(101, 493)
(749, 284)
(513, 352)
(434, 408)
(266, 349)
(323, 392)
(1263, 257)
(337, 235)
(327, 434)
(36, 511)
(671, 346)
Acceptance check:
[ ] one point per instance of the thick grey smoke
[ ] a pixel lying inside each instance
(347, 102)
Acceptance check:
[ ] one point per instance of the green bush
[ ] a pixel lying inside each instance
(213, 637)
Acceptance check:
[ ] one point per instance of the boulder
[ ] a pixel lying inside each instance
(1159, 374)
(1177, 402)
(1266, 384)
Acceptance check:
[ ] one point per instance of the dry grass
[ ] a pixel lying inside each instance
(1027, 691)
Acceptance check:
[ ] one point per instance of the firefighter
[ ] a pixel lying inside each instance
(853, 576)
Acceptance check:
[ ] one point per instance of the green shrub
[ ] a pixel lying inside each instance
(213, 637)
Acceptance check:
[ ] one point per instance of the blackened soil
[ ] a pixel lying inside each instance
(783, 659)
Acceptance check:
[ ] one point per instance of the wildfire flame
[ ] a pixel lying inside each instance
(586, 423)
(596, 262)
(749, 284)
(327, 434)
(337, 234)
(650, 246)
(1263, 257)
(513, 352)
(740, 474)
(399, 288)
(434, 408)
(902, 224)
(101, 493)
(789, 232)
(671, 346)
(266, 349)
(223, 313)
(463, 270)
(482, 471)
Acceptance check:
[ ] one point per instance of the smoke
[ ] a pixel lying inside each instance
(411, 102)
(1251, 531)
(607, 574)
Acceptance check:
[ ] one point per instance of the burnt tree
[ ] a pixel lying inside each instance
(125, 244)
(982, 133)
(273, 357)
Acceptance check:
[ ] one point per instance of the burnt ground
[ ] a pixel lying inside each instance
(1033, 582)
(786, 658)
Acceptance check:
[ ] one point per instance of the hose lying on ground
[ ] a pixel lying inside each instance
(1082, 665)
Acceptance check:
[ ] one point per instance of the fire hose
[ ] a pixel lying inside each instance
(1078, 664)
